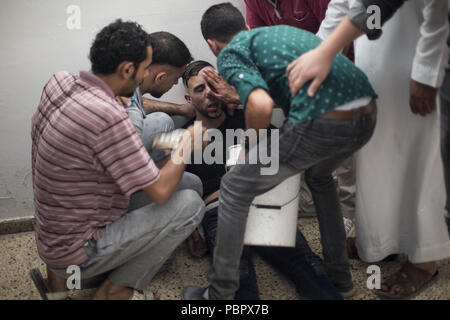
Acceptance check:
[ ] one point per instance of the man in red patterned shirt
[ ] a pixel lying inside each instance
(87, 160)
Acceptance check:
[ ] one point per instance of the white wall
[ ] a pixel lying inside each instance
(36, 42)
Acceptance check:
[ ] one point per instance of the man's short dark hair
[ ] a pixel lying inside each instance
(168, 49)
(221, 22)
(193, 69)
(118, 42)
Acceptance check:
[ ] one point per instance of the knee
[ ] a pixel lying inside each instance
(163, 120)
(191, 181)
(318, 181)
(193, 207)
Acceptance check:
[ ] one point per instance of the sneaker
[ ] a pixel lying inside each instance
(194, 293)
(348, 294)
(349, 225)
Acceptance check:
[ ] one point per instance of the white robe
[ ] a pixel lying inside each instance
(400, 192)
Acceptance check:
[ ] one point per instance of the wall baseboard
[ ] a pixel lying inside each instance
(16, 225)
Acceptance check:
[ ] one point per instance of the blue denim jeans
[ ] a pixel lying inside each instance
(300, 264)
(317, 147)
(445, 139)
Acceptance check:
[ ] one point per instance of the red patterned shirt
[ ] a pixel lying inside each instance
(303, 14)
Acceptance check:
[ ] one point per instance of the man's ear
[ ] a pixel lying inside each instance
(160, 76)
(213, 46)
(188, 98)
(125, 70)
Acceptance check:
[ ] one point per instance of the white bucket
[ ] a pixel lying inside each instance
(272, 219)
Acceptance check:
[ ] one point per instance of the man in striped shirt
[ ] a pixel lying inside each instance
(87, 160)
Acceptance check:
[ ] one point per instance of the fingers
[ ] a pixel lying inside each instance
(124, 101)
(211, 75)
(422, 106)
(296, 76)
(214, 95)
(315, 85)
(230, 109)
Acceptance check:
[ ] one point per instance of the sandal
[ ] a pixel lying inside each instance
(144, 295)
(43, 288)
(197, 246)
(411, 281)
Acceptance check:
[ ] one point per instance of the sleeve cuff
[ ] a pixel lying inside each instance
(427, 74)
(247, 83)
(359, 19)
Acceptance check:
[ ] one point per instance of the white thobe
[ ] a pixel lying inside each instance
(400, 193)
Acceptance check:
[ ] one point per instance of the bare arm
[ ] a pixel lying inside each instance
(316, 64)
(258, 111)
(172, 109)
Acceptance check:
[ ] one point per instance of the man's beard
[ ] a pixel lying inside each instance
(129, 95)
(133, 78)
(208, 115)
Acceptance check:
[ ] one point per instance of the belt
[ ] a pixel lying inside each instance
(350, 114)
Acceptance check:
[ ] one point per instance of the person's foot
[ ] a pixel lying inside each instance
(56, 291)
(110, 291)
(409, 281)
(197, 246)
(55, 283)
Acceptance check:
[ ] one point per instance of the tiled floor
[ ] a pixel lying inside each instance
(18, 255)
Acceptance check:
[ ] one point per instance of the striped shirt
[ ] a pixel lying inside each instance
(86, 161)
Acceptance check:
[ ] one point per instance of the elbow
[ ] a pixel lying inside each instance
(158, 195)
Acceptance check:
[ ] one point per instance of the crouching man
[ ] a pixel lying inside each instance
(86, 162)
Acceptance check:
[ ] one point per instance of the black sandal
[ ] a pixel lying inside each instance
(43, 289)
(411, 279)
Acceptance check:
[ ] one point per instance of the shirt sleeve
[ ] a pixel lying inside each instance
(359, 14)
(122, 155)
(252, 18)
(432, 51)
(237, 67)
(337, 10)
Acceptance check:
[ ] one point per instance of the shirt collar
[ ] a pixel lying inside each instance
(97, 82)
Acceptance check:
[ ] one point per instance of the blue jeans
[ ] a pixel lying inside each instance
(248, 289)
(300, 264)
(445, 139)
(317, 147)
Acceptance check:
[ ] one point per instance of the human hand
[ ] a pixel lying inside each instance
(422, 98)
(220, 89)
(187, 110)
(124, 101)
(313, 65)
(231, 108)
